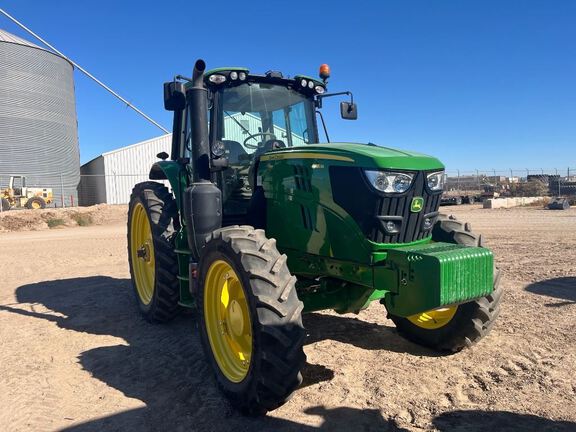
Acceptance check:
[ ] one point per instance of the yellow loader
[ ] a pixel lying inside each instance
(18, 195)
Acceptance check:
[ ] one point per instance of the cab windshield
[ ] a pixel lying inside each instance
(261, 117)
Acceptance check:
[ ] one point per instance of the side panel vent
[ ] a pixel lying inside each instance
(302, 178)
(307, 220)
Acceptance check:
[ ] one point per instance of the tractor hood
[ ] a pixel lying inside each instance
(365, 155)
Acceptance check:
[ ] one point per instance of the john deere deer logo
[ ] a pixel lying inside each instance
(417, 204)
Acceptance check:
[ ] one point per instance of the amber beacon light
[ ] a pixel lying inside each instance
(324, 72)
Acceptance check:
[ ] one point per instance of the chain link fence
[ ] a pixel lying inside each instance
(511, 182)
(116, 188)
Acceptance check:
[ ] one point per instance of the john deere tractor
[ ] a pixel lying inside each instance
(262, 223)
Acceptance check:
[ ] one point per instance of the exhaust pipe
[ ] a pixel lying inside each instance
(203, 199)
(198, 104)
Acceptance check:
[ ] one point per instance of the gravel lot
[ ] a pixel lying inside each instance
(75, 354)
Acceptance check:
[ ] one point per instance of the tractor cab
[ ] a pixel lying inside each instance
(253, 116)
(247, 115)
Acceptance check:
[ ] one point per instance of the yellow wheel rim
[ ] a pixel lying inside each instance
(142, 254)
(434, 319)
(35, 205)
(227, 320)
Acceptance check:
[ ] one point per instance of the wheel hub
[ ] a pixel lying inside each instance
(143, 252)
(235, 318)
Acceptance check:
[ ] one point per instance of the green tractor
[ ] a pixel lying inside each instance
(263, 223)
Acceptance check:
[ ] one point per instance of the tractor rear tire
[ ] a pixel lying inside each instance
(5, 204)
(152, 214)
(35, 203)
(457, 327)
(250, 319)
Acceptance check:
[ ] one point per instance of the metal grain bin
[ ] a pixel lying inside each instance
(38, 126)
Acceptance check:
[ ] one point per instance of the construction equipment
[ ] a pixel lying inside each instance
(264, 223)
(18, 195)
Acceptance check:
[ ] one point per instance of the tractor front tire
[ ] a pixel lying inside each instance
(152, 214)
(453, 328)
(35, 203)
(250, 319)
(5, 204)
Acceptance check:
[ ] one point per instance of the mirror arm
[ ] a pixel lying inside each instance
(325, 95)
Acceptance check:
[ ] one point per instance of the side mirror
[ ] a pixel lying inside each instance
(174, 96)
(348, 111)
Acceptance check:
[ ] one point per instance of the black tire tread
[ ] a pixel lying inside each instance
(474, 319)
(5, 204)
(163, 213)
(276, 365)
(33, 199)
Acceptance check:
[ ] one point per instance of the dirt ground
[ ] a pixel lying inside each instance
(75, 354)
(50, 218)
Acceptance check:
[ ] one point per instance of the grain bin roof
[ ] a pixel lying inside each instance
(10, 38)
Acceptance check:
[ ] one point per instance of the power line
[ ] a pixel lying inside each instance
(81, 69)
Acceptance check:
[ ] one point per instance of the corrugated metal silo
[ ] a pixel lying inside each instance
(38, 126)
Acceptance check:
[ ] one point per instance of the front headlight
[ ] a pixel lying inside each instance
(435, 181)
(389, 182)
(218, 148)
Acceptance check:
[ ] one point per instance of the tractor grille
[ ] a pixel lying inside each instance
(372, 210)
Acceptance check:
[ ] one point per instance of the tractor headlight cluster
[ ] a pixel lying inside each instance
(230, 76)
(389, 182)
(435, 181)
(312, 85)
(217, 78)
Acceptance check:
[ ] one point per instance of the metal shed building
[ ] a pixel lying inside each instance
(38, 125)
(109, 178)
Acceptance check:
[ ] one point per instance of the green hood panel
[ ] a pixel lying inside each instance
(368, 156)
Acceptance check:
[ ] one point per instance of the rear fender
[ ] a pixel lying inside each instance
(175, 173)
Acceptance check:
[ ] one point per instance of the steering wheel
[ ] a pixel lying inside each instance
(249, 137)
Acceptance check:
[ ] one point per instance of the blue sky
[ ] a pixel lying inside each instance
(479, 84)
